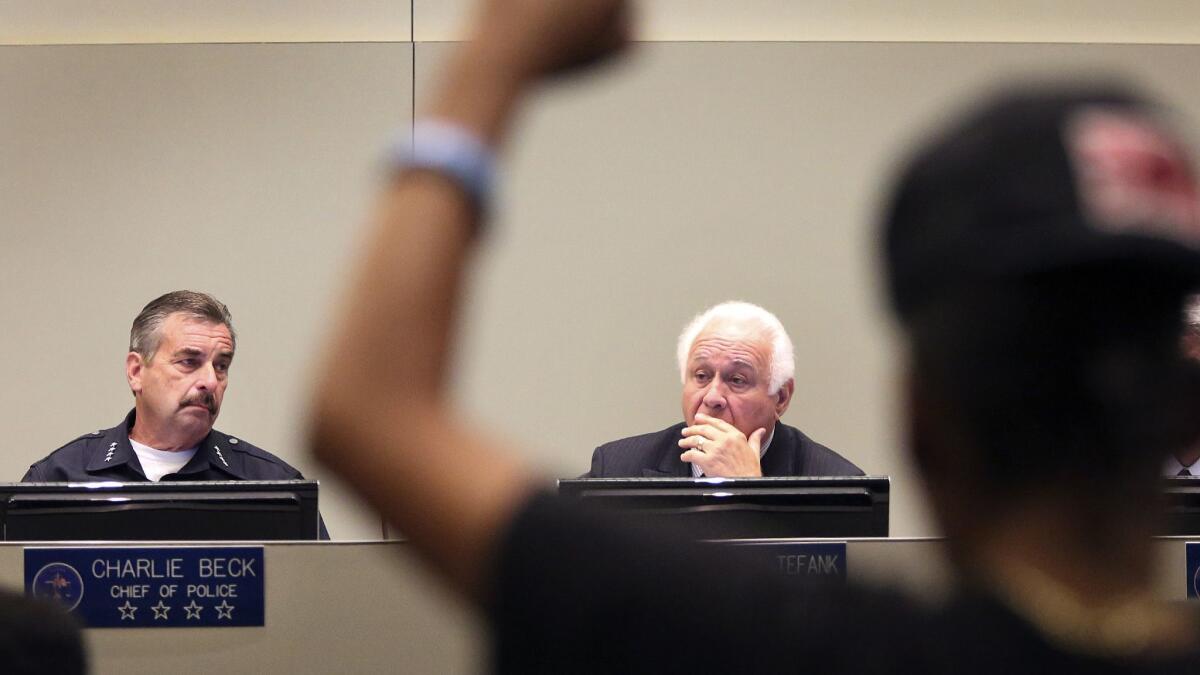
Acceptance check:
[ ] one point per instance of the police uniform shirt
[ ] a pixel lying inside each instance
(109, 455)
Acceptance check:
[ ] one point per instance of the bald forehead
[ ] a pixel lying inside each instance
(742, 341)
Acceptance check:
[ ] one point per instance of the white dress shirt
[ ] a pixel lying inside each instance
(1173, 467)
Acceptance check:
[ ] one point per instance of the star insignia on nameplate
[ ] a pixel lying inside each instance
(127, 611)
(111, 449)
(220, 456)
(160, 610)
(59, 584)
(224, 610)
(193, 610)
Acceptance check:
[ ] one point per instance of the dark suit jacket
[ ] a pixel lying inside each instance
(657, 455)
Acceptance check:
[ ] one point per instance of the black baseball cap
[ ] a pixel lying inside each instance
(1041, 179)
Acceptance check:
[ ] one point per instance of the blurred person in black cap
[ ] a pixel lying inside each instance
(1037, 254)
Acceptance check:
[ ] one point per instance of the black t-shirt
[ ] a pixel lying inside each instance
(37, 638)
(576, 593)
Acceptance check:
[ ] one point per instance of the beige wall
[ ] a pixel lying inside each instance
(246, 170)
(142, 21)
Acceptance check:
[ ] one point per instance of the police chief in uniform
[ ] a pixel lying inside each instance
(181, 346)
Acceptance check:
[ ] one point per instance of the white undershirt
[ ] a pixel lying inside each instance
(762, 450)
(158, 463)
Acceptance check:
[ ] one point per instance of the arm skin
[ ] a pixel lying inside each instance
(380, 416)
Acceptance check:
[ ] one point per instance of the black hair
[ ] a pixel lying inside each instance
(1062, 378)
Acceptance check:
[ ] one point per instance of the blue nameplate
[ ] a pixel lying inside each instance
(133, 587)
(803, 563)
(1193, 569)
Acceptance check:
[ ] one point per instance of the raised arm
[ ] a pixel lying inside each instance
(380, 415)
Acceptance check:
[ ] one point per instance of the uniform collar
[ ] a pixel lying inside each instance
(115, 449)
(215, 451)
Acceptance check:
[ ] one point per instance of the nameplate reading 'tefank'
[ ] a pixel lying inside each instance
(803, 563)
(134, 587)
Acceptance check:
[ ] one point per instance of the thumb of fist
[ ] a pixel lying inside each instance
(755, 439)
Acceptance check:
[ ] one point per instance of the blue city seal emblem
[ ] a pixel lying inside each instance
(59, 582)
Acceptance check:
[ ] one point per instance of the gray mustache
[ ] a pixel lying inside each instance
(207, 400)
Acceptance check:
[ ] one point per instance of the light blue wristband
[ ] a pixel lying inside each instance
(451, 150)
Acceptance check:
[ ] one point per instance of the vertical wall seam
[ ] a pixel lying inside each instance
(412, 40)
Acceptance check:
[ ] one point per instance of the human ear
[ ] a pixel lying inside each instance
(783, 397)
(133, 371)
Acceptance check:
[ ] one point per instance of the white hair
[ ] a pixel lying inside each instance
(783, 360)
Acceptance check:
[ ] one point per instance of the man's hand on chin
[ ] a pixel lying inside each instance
(720, 450)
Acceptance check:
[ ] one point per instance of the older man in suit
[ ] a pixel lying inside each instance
(737, 367)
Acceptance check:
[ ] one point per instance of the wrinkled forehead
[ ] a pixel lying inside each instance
(187, 330)
(734, 341)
